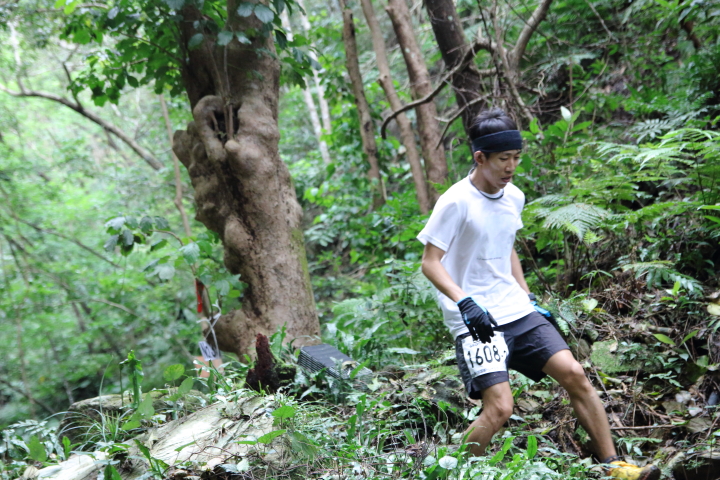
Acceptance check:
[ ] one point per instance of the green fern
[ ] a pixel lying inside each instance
(662, 272)
(576, 218)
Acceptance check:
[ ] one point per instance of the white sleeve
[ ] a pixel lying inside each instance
(520, 205)
(442, 226)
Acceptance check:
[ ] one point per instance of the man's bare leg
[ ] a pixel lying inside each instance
(584, 399)
(497, 408)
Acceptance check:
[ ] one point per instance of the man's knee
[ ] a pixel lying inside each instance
(498, 409)
(574, 379)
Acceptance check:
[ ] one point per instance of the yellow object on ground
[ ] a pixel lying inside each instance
(628, 471)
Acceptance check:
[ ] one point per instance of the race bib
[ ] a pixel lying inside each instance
(482, 358)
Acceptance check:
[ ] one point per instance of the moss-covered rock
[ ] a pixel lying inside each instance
(611, 358)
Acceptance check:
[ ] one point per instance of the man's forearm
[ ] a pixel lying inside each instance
(434, 270)
(438, 276)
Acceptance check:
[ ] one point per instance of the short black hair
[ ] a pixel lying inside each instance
(490, 121)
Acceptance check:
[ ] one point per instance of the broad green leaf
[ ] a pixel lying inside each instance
(36, 450)
(158, 244)
(146, 224)
(70, 7)
(191, 252)
(263, 13)
(115, 223)
(284, 412)
(664, 338)
(131, 424)
(195, 41)
(111, 243)
(245, 9)
(131, 222)
(223, 287)
(224, 38)
(242, 38)
(173, 372)
(186, 386)
(161, 223)
(127, 237)
(165, 271)
(269, 437)
(146, 409)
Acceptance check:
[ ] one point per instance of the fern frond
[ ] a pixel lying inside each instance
(550, 200)
(661, 272)
(575, 218)
(660, 210)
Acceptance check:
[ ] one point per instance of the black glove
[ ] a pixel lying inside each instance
(478, 319)
(545, 313)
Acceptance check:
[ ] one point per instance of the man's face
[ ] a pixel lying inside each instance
(498, 168)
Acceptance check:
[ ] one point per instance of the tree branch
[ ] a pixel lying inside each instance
(112, 304)
(29, 397)
(76, 242)
(457, 114)
(469, 56)
(531, 25)
(143, 153)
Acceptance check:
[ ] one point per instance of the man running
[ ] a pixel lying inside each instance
(470, 258)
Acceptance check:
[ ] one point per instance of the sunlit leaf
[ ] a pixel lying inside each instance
(269, 437)
(173, 372)
(664, 338)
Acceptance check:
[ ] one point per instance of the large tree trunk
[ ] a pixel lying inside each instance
(430, 141)
(243, 190)
(406, 132)
(367, 129)
(454, 47)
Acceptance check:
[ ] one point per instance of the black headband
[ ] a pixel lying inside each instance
(498, 142)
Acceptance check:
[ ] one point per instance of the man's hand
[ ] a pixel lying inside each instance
(478, 319)
(545, 313)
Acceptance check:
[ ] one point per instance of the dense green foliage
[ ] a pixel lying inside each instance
(621, 175)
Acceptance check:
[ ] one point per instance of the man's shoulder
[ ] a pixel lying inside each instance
(458, 192)
(514, 191)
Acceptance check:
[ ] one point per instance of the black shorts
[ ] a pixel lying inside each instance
(531, 341)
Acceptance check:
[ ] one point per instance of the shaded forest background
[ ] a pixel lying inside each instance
(618, 103)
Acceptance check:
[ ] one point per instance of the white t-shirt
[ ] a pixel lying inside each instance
(478, 236)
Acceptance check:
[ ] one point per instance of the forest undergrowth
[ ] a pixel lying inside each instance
(620, 240)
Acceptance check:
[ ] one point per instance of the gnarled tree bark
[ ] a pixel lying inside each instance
(243, 190)
(406, 132)
(433, 151)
